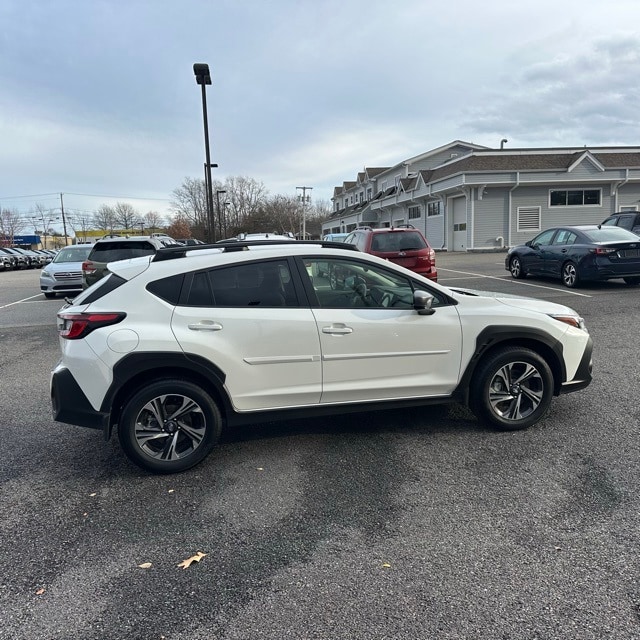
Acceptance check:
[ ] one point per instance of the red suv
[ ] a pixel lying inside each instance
(403, 245)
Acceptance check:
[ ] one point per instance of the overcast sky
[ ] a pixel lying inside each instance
(98, 98)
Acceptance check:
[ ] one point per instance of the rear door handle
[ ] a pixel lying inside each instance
(205, 325)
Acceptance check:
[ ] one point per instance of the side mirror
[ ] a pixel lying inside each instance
(422, 302)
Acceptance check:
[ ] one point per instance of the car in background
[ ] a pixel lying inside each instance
(64, 273)
(36, 260)
(578, 253)
(20, 260)
(403, 245)
(114, 248)
(335, 237)
(287, 235)
(189, 241)
(629, 220)
(7, 262)
(170, 348)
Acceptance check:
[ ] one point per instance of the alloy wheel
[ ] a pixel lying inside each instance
(516, 390)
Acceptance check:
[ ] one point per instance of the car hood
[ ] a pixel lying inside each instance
(519, 302)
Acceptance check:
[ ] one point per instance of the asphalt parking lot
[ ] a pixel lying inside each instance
(414, 524)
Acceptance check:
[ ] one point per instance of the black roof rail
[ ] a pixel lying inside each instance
(172, 252)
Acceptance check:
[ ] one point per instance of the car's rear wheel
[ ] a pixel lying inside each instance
(570, 277)
(515, 267)
(631, 281)
(512, 389)
(49, 294)
(169, 426)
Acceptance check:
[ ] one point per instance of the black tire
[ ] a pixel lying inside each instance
(632, 281)
(49, 294)
(169, 426)
(515, 267)
(570, 277)
(511, 389)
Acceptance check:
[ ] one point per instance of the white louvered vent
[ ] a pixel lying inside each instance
(528, 218)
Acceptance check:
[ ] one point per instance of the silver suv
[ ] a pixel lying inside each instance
(168, 349)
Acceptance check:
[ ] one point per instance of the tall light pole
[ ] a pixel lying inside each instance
(203, 78)
(305, 199)
(218, 192)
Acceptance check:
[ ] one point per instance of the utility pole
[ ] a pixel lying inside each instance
(64, 222)
(305, 199)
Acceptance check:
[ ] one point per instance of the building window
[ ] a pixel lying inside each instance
(528, 218)
(361, 196)
(414, 212)
(434, 209)
(369, 193)
(574, 197)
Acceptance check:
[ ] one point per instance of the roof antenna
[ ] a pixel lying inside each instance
(502, 143)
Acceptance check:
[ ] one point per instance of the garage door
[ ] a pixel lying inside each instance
(459, 206)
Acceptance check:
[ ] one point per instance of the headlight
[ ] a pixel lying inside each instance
(574, 321)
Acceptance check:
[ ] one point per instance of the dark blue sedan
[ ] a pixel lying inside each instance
(575, 254)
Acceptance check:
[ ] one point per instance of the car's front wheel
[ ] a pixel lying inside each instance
(632, 281)
(169, 426)
(512, 388)
(515, 267)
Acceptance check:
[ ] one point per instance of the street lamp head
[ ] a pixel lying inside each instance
(221, 191)
(201, 71)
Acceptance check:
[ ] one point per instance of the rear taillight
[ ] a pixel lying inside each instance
(88, 267)
(431, 257)
(602, 251)
(74, 326)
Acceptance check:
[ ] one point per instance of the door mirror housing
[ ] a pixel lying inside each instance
(422, 302)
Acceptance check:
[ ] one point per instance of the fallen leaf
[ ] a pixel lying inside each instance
(39, 592)
(145, 565)
(259, 468)
(85, 514)
(171, 490)
(91, 495)
(386, 565)
(189, 561)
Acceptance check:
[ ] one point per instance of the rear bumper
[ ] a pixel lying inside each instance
(70, 405)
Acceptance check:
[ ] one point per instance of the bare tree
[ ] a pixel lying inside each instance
(245, 196)
(153, 221)
(104, 218)
(126, 216)
(11, 224)
(189, 201)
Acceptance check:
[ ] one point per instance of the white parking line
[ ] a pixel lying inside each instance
(526, 284)
(4, 306)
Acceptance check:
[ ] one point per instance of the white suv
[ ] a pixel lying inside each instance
(171, 348)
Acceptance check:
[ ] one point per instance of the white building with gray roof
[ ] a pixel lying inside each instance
(466, 197)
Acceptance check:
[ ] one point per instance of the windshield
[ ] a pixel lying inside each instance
(75, 254)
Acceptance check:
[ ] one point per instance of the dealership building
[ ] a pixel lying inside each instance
(466, 197)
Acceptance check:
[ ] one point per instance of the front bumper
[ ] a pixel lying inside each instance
(583, 375)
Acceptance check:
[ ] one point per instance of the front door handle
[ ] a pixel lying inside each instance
(339, 330)
(205, 325)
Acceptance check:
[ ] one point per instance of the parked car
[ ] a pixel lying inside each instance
(629, 220)
(113, 248)
(579, 253)
(170, 347)
(335, 237)
(36, 260)
(287, 235)
(20, 260)
(7, 262)
(190, 241)
(64, 273)
(403, 245)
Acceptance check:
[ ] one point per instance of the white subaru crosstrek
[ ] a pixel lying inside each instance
(169, 349)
